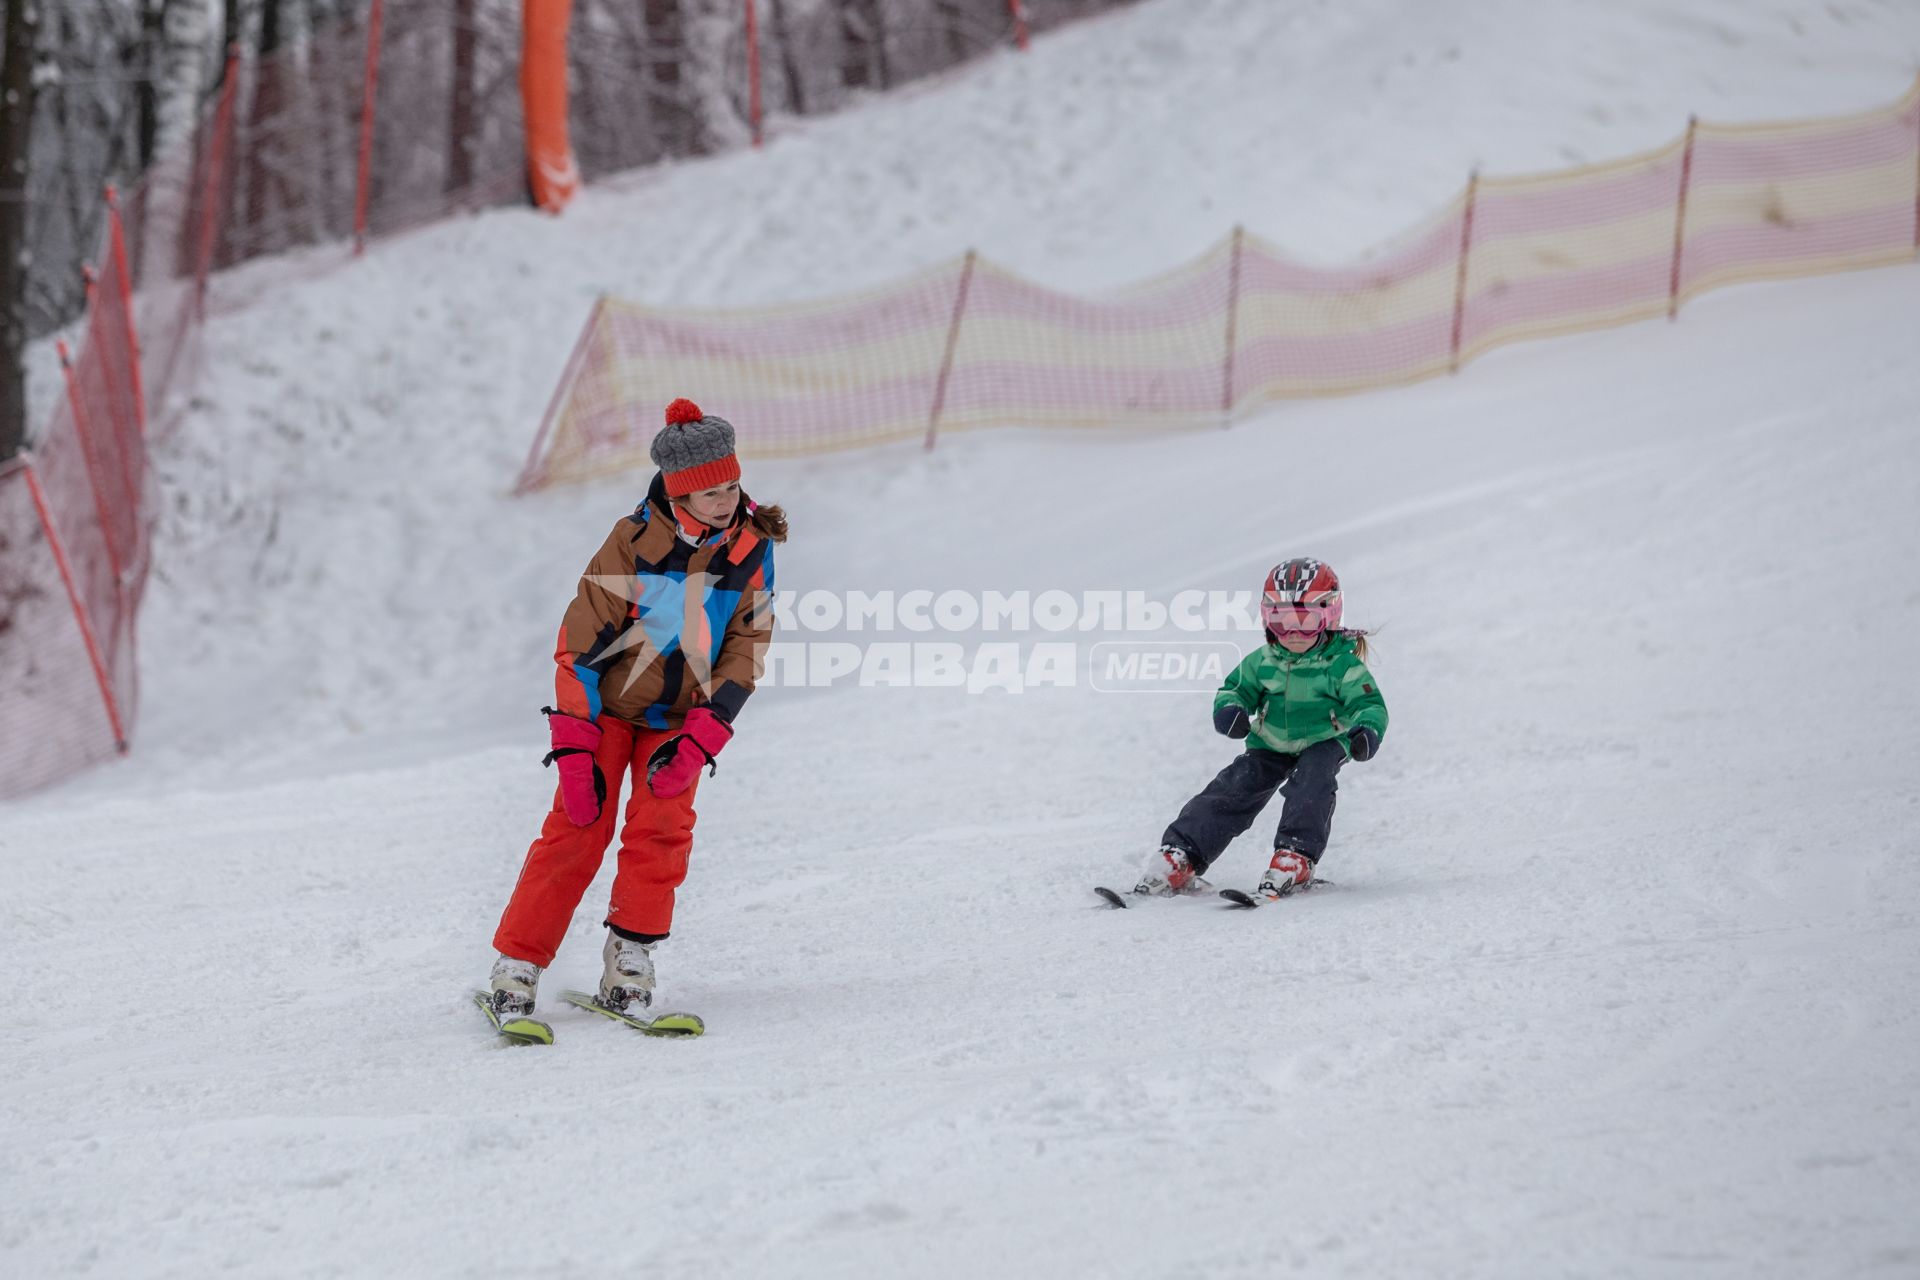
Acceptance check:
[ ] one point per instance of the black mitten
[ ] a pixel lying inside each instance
(1232, 720)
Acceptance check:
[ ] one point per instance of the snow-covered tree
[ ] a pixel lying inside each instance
(17, 68)
(186, 33)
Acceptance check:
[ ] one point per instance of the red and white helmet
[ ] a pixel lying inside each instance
(1302, 597)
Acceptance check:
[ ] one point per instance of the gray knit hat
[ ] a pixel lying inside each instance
(694, 451)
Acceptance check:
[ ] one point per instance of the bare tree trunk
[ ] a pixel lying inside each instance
(16, 139)
(670, 88)
(863, 34)
(231, 29)
(259, 235)
(608, 63)
(789, 58)
(335, 69)
(460, 122)
(184, 68)
(147, 64)
(962, 31)
(226, 199)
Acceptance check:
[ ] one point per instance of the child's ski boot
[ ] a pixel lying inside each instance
(1169, 872)
(1289, 872)
(508, 1002)
(626, 987)
(512, 988)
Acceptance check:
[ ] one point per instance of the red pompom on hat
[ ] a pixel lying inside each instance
(694, 451)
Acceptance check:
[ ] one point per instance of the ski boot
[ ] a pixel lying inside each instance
(513, 984)
(1168, 872)
(1289, 872)
(626, 987)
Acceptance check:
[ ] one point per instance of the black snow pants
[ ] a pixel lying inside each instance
(1211, 820)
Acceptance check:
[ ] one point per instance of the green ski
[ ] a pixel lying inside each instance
(679, 1026)
(518, 1030)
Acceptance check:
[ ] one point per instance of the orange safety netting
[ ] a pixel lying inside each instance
(968, 344)
(76, 508)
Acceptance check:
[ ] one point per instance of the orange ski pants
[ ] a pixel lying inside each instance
(654, 843)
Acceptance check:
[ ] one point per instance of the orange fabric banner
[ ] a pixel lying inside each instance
(551, 173)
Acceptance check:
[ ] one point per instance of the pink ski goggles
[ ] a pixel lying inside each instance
(1300, 619)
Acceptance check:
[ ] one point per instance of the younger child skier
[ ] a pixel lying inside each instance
(663, 642)
(1307, 704)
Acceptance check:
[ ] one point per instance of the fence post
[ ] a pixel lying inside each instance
(753, 69)
(1460, 277)
(953, 341)
(1233, 324)
(1680, 219)
(1019, 12)
(525, 483)
(216, 179)
(126, 307)
(369, 94)
(86, 452)
(79, 609)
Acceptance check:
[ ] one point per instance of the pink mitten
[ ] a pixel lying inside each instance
(675, 763)
(583, 788)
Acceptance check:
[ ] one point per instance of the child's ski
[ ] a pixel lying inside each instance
(1239, 900)
(672, 1025)
(518, 1030)
(1115, 898)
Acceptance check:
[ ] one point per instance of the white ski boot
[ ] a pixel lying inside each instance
(1289, 872)
(513, 983)
(1169, 872)
(627, 984)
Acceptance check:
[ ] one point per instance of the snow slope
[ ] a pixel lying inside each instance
(1618, 978)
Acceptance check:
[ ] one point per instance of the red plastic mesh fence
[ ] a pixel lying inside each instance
(445, 142)
(296, 142)
(52, 719)
(168, 245)
(446, 133)
(406, 111)
(76, 509)
(968, 344)
(284, 158)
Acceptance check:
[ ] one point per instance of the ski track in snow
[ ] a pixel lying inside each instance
(1619, 976)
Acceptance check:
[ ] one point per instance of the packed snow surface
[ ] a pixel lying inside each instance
(1619, 974)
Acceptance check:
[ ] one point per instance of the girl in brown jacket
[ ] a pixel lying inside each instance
(664, 640)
